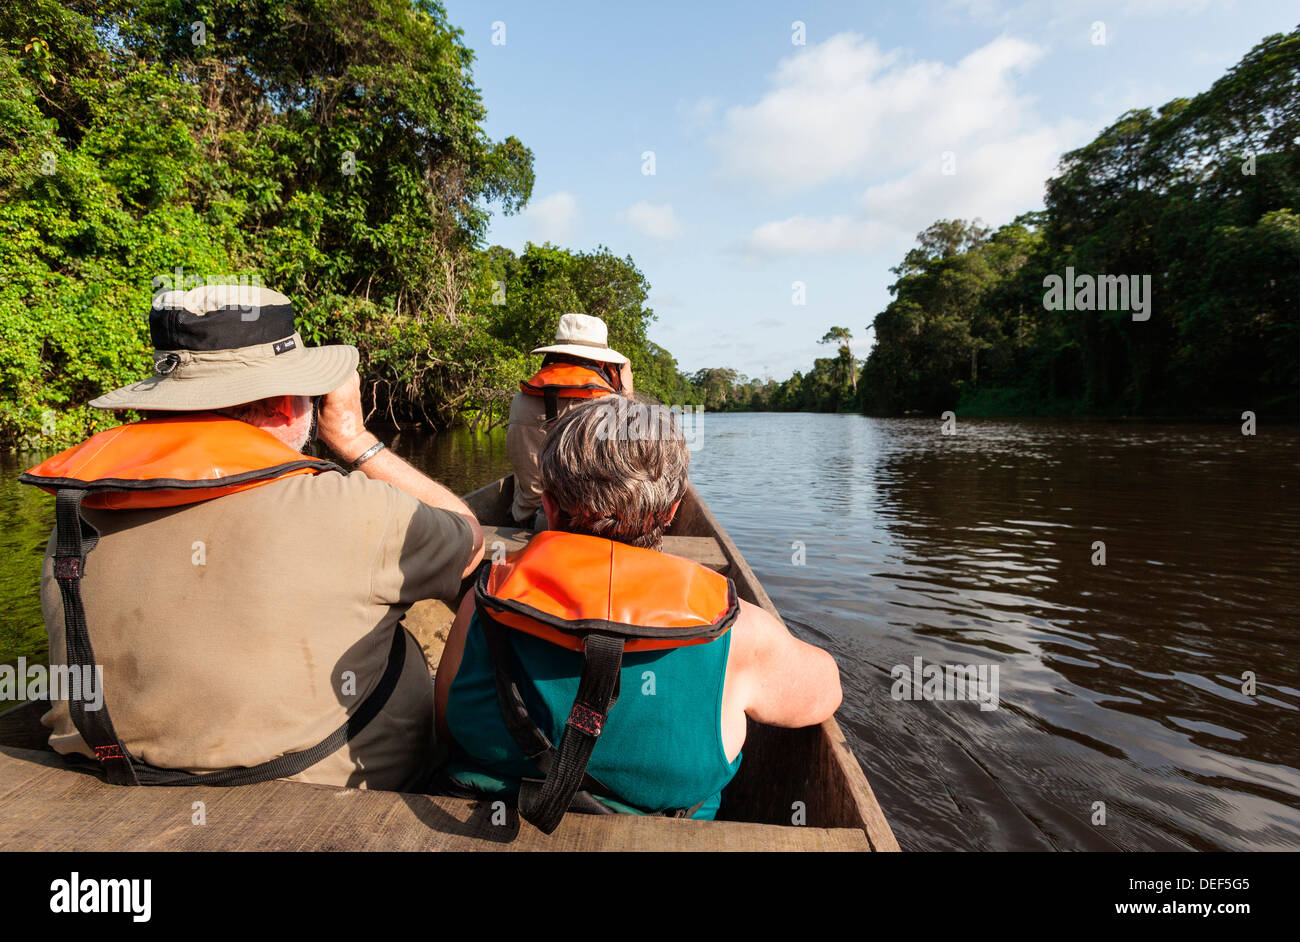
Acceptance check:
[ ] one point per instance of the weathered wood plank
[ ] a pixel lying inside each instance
(45, 806)
(429, 621)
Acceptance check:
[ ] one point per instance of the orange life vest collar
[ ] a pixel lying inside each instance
(170, 462)
(563, 586)
(569, 380)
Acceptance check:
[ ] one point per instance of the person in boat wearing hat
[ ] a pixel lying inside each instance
(591, 671)
(578, 367)
(245, 600)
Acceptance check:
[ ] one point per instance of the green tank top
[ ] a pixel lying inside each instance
(661, 747)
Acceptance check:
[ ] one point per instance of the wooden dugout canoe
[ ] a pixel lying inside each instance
(45, 805)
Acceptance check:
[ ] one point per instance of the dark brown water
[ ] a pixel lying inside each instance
(1119, 684)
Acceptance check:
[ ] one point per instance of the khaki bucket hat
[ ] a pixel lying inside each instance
(226, 345)
(582, 335)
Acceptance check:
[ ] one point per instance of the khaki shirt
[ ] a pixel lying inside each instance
(524, 437)
(238, 629)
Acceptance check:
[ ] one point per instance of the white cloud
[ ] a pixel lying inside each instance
(846, 109)
(1125, 94)
(995, 181)
(654, 221)
(800, 235)
(699, 113)
(1162, 7)
(1057, 11)
(551, 218)
(977, 9)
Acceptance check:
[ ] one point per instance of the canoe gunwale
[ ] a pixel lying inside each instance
(842, 789)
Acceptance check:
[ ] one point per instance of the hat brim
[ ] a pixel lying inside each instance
(600, 354)
(315, 371)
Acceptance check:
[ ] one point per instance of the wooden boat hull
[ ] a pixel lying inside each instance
(806, 776)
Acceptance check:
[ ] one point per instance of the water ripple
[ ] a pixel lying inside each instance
(1125, 580)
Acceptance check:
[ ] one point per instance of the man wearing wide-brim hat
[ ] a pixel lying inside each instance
(579, 366)
(244, 600)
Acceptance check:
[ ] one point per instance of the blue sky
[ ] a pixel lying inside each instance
(777, 163)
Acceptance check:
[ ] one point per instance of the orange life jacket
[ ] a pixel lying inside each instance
(563, 586)
(172, 461)
(599, 597)
(561, 380)
(167, 463)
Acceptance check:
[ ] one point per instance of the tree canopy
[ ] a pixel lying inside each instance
(1198, 197)
(331, 150)
(335, 151)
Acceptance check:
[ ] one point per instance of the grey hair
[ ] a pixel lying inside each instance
(615, 468)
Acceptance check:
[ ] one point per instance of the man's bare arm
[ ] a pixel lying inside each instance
(342, 429)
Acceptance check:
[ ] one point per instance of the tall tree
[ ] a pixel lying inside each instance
(848, 369)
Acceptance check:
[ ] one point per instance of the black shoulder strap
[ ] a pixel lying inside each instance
(551, 397)
(514, 712)
(541, 801)
(544, 802)
(566, 785)
(74, 538)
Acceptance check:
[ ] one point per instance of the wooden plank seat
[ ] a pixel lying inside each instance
(46, 806)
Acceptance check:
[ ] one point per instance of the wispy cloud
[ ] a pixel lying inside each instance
(656, 221)
(801, 235)
(700, 112)
(845, 109)
(930, 140)
(551, 217)
(994, 180)
(1055, 11)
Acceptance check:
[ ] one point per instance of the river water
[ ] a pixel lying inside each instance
(1124, 716)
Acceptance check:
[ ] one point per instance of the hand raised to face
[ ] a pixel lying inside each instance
(342, 423)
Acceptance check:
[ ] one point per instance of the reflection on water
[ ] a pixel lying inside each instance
(459, 460)
(26, 516)
(1119, 683)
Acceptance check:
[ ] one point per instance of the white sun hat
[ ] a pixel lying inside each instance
(582, 335)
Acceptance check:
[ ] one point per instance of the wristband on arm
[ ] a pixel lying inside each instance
(368, 454)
